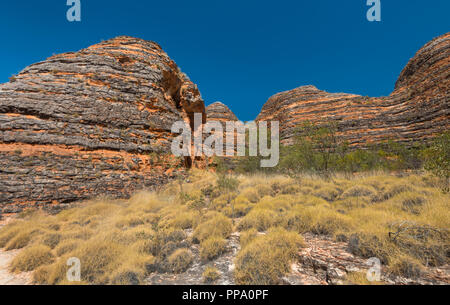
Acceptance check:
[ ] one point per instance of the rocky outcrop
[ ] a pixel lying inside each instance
(417, 110)
(325, 261)
(220, 113)
(94, 122)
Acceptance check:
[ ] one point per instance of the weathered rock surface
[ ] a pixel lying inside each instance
(90, 123)
(418, 109)
(326, 262)
(194, 275)
(220, 113)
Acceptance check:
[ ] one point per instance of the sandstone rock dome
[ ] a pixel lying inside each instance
(86, 123)
(416, 111)
(220, 112)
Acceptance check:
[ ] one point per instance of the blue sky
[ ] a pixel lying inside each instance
(239, 52)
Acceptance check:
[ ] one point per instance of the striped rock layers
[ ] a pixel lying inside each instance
(417, 110)
(219, 112)
(91, 123)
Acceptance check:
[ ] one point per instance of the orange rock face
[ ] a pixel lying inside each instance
(220, 113)
(417, 110)
(89, 123)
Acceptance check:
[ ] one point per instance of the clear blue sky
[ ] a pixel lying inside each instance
(239, 52)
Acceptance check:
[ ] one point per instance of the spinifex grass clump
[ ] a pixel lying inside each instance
(210, 275)
(265, 259)
(401, 220)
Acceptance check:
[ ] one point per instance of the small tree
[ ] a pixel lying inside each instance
(228, 184)
(437, 158)
(317, 146)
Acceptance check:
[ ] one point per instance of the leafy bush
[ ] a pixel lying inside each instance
(318, 149)
(437, 158)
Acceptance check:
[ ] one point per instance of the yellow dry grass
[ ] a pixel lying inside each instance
(122, 241)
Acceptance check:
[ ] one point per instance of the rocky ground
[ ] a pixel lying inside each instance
(193, 276)
(6, 277)
(415, 111)
(322, 262)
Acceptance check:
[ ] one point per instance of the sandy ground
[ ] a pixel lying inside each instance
(6, 277)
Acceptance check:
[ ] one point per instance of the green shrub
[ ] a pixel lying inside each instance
(437, 158)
